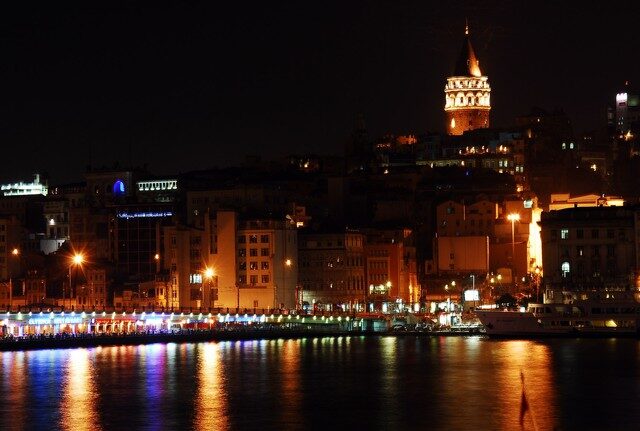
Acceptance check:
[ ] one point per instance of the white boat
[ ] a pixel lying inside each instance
(603, 313)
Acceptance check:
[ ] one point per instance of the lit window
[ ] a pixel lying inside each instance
(564, 233)
(571, 146)
(566, 269)
(564, 146)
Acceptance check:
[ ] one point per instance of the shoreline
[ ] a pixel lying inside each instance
(70, 342)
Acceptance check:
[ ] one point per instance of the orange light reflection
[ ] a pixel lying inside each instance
(211, 398)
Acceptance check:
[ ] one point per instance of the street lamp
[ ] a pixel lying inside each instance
(538, 275)
(76, 260)
(513, 218)
(212, 294)
(15, 253)
(285, 273)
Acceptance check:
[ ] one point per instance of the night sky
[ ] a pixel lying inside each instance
(198, 85)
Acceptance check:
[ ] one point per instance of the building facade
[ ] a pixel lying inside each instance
(589, 248)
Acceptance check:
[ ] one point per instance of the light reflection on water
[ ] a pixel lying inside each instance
(79, 394)
(329, 383)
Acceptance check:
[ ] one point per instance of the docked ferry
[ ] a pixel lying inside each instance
(568, 314)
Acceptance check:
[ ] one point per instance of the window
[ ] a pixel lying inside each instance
(595, 251)
(253, 279)
(265, 278)
(264, 238)
(264, 252)
(253, 266)
(451, 210)
(595, 233)
(579, 233)
(253, 252)
(565, 268)
(242, 239)
(580, 250)
(242, 279)
(253, 239)
(242, 266)
(554, 234)
(564, 233)
(264, 265)
(610, 234)
(242, 252)
(611, 250)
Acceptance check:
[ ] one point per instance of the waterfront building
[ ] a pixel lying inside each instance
(390, 269)
(589, 248)
(332, 269)
(225, 262)
(35, 289)
(90, 287)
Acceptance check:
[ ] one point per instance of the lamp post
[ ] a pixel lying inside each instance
(287, 267)
(513, 218)
(15, 253)
(212, 292)
(538, 274)
(76, 260)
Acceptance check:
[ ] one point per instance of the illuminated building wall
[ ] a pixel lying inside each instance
(589, 248)
(456, 219)
(467, 94)
(385, 271)
(255, 263)
(332, 268)
(34, 288)
(462, 254)
(267, 264)
(90, 287)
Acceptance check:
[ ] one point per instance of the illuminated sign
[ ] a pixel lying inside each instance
(621, 98)
(152, 186)
(528, 203)
(146, 214)
(118, 188)
(55, 321)
(471, 295)
(25, 189)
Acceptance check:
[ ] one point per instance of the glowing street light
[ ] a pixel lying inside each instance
(513, 218)
(76, 261)
(212, 294)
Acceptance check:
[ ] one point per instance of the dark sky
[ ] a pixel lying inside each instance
(195, 85)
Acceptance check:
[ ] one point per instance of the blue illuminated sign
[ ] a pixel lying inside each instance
(147, 214)
(118, 188)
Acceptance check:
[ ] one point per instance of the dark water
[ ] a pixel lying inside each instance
(354, 383)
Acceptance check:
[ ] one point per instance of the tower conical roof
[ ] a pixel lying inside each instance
(468, 64)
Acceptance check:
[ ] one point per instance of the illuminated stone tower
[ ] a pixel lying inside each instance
(467, 93)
